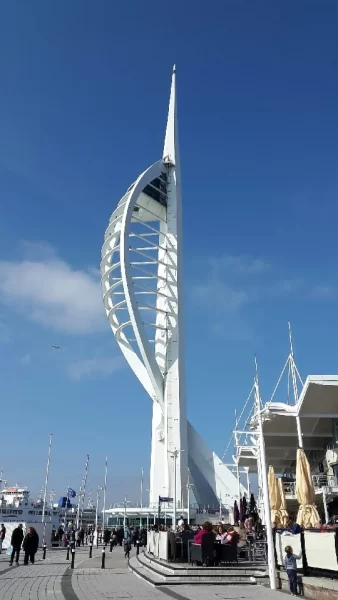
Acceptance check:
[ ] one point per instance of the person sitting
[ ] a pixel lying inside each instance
(207, 528)
(242, 536)
(221, 534)
(249, 524)
(230, 535)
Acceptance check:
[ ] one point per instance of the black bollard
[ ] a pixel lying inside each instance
(44, 551)
(137, 547)
(103, 564)
(111, 546)
(91, 551)
(73, 558)
(67, 557)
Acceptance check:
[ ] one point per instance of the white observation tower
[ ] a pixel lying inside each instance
(142, 287)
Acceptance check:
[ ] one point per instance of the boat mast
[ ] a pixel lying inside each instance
(45, 488)
(82, 493)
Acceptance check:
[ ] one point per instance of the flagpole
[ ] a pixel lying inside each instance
(67, 500)
(105, 493)
(45, 488)
(142, 471)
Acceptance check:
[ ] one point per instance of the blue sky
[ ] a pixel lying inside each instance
(83, 103)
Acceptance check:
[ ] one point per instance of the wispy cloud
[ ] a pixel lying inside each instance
(90, 367)
(238, 265)
(26, 359)
(223, 296)
(324, 291)
(49, 291)
(232, 283)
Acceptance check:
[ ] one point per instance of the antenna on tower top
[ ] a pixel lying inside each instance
(171, 149)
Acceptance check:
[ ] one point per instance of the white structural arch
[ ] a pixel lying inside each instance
(141, 272)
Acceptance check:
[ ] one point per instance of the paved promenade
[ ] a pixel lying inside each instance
(52, 579)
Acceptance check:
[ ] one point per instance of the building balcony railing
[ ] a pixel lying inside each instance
(319, 481)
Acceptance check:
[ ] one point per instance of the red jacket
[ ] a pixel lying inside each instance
(199, 535)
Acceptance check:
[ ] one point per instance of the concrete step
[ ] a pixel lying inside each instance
(156, 576)
(169, 570)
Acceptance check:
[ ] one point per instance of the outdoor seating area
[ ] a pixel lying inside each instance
(179, 547)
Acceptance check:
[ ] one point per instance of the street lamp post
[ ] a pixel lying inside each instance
(125, 513)
(247, 470)
(45, 488)
(141, 503)
(105, 493)
(97, 506)
(174, 454)
(189, 487)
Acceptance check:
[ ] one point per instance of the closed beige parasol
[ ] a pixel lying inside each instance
(307, 513)
(274, 496)
(284, 515)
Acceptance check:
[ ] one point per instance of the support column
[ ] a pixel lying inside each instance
(299, 432)
(238, 483)
(326, 512)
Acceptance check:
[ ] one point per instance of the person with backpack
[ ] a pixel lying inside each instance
(30, 545)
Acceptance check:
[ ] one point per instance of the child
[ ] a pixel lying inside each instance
(126, 548)
(290, 565)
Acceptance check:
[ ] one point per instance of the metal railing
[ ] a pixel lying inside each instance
(319, 481)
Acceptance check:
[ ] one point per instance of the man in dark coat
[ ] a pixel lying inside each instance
(2, 535)
(30, 545)
(16, 541)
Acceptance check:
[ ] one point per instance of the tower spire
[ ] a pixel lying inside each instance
(171, 150)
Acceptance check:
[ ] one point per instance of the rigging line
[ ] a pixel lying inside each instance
(245, 405)
(279, 380)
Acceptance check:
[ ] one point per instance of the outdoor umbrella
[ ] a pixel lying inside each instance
(241, 511)
(274, 496)
(307, 513)
(245, 506)
(236, 512)
(253, 507)
(284, 515)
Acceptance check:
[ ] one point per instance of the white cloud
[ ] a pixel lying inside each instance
(238, 265)
(95, 366)
(26, 359)
(324, 291)
(220, 295)
(50, 292)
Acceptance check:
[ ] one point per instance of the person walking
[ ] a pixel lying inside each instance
(16, 541)
(30, 545)
(2, 535)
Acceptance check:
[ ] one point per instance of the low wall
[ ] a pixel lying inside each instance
(315, 588)
(37, 526)
(319, 549)
(157, 544)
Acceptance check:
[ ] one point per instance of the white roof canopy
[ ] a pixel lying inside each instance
(316, 407)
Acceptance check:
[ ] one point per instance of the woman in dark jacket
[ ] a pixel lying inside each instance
(30, 545)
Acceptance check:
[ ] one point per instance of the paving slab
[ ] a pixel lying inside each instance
(52, 579)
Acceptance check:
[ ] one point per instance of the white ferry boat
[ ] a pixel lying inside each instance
(16, 505)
